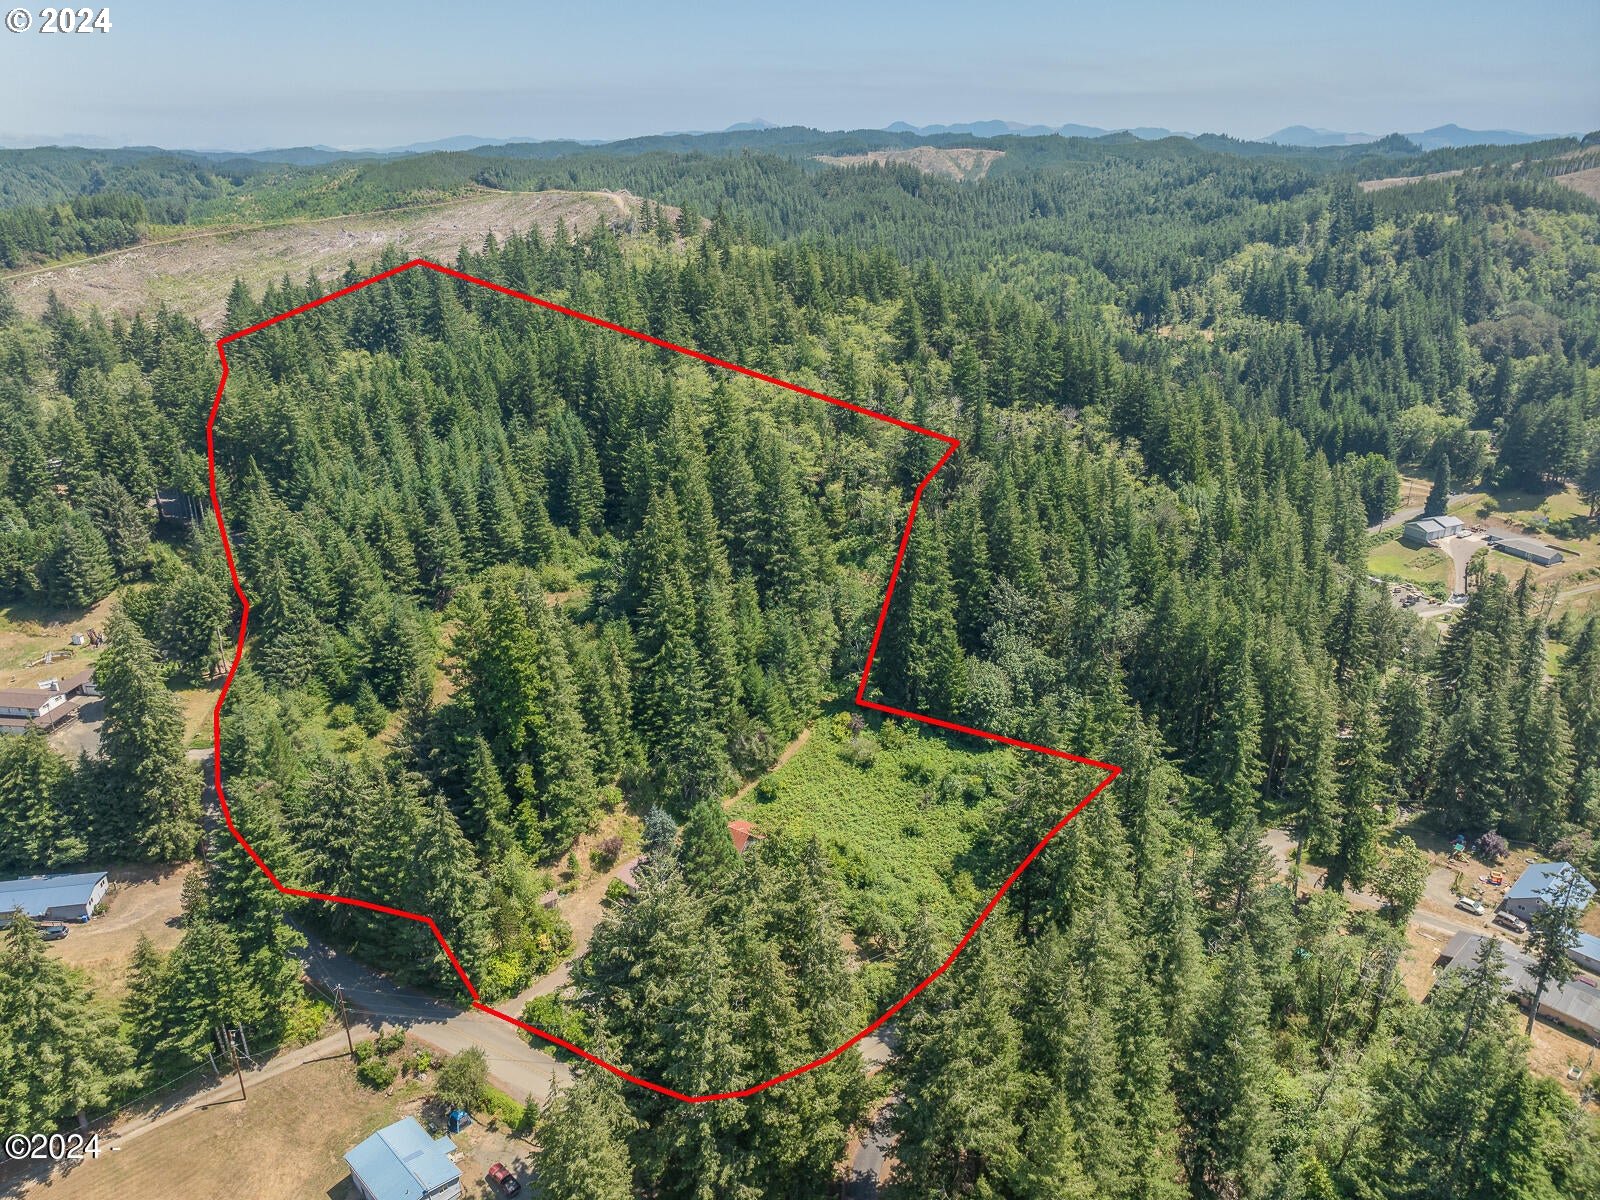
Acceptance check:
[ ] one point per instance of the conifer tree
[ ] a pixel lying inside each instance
(1438, 501)
(151, 803)
(59, 1052)
(1233, 768)
(255, 912)
(583, 1152)
(1223, 1086)
(921, 661)
(959, 1069)
(674, 702)
(1050, 1166)
(1363, 788)
(706, 852)
(78, 571)
(122, 522)
(38, 828)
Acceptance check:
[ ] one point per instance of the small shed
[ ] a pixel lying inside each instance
(81, 684)
(1426, 531)
(401, 1162)
(743, 833)
(54, 897)
(1544, 883)
(1534, 552)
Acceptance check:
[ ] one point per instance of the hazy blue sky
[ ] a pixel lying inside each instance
(362, 73)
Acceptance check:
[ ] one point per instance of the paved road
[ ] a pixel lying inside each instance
(868, 1161)
(1460, 551)
(1400, 517)
(515, 1067)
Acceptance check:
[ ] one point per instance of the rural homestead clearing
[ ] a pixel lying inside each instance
(959, 163)
(194, 273)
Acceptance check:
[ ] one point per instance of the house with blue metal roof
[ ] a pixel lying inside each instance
(401, 1162)
(1543, 884)
(53, 897)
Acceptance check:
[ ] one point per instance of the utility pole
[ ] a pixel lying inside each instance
(233, 1053)
(344, 1015)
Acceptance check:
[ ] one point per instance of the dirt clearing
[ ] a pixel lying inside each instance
(195, 272)
(1378, 185)
(959, 163)
(1586, 181)
(143, 900)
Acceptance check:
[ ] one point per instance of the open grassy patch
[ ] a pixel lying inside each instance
(1426, 567)
(898, 810)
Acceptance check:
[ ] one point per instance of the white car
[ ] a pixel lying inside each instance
(1468, 904)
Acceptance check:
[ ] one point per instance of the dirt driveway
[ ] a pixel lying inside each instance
(144, 900)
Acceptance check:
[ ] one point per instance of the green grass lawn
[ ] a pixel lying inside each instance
(1423, 567)
(900, 827)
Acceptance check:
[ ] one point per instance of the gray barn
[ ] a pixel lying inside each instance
(54, 897)
(1534, 552)
(1426, 531)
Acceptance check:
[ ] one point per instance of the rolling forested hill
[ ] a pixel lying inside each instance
(515, 580)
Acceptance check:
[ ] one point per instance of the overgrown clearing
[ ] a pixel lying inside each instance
(898, 810)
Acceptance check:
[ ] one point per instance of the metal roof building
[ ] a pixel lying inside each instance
(54, 897)
(1575, 1005)
(1586, 952)
(743, 833)
(1541, 884)
(401, 1162)
(1425, 531)
(1534, 552)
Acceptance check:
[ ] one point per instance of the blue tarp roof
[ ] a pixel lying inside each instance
(38, 893)
(1543, 880)
(401, 1162)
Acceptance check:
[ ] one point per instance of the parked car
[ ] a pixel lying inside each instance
(1468, 904)
(503, 1180)
(1509, 921)
(52, 931)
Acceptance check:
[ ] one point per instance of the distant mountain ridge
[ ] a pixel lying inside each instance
(1440, 137)
(987, 129)
(758, 133)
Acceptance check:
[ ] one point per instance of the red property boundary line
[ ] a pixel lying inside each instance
(950, 444)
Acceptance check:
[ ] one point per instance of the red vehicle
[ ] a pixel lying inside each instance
(503, 1180)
